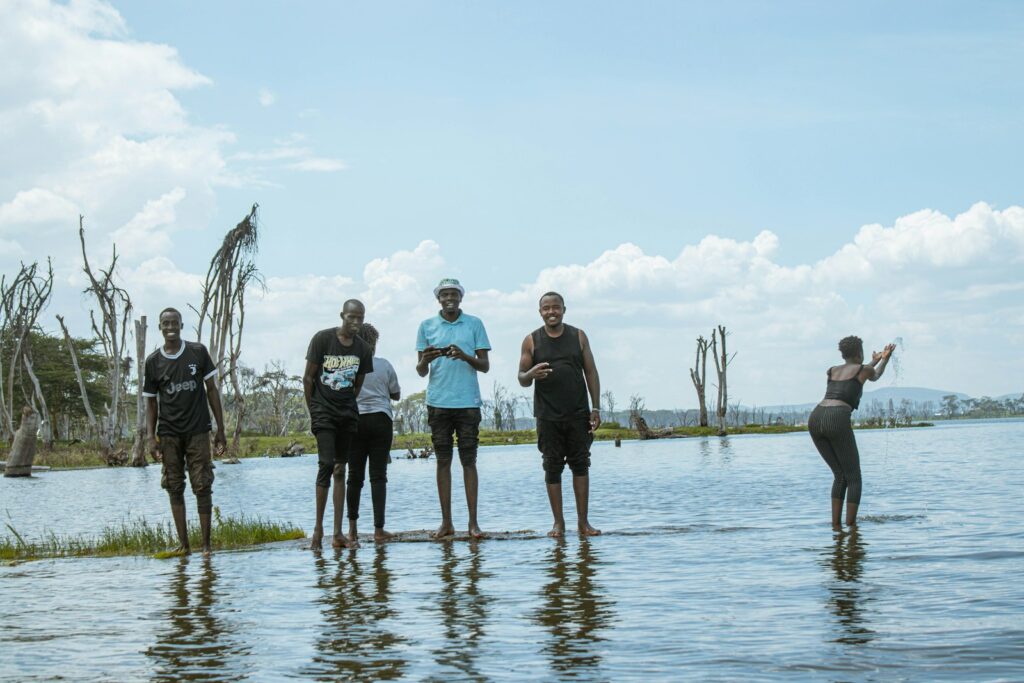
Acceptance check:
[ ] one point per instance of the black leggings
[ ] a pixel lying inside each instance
(832, 433)
(374, 443)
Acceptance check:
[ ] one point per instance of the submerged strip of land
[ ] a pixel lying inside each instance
(79, 454)
(139, 537)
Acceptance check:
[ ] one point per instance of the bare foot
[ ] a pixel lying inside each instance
(381, 536)
(444, 531)
(587, 530)
(316, 541)
(340, 541)
(182, 550)
(353, 540)
(474, 531)
(207, 550)
(558, 530)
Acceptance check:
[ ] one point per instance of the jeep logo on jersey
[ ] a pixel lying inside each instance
(193, 368)
(174, 387)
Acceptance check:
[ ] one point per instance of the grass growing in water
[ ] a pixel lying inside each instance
(139, 537)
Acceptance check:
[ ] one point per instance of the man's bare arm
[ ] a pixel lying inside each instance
(151, 427)
(425, 358)
(308, 382)
(213, 398)
(593, 381)
(527, 370)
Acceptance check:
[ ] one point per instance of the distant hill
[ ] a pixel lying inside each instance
(914, 394)
(662, 418)
(918, 394)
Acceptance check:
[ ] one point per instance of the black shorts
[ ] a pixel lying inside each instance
(463, 423)
(562, 442)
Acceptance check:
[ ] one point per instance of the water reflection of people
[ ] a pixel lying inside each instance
(846, 600)
(196, 643)
(355, 602)
(575, 609)
(463, 608)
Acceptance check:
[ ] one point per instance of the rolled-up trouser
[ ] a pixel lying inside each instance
(374, 443)
(191, 452)
(832, 433)
(464, 423)
(562, 442)
(333, 447)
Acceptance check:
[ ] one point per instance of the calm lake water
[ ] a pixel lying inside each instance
(717, 563)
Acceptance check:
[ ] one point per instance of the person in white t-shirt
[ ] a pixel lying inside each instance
(373, 443)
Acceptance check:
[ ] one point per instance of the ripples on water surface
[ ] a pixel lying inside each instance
(717, 564)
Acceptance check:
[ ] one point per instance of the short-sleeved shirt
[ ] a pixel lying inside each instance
(178, 382)
(334, 399)
(453, 383)
(375, 396)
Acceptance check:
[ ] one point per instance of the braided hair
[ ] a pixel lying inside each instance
(370, 335)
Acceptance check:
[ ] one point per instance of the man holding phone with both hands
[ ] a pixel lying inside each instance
(452, 348)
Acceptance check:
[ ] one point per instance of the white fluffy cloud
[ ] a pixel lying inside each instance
(957, 314)
(91, 123)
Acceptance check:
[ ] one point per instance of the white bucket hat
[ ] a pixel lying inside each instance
(449, 283)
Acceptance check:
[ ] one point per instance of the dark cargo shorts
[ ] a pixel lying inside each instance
(464, 423)
(191, 453)
(562, 442)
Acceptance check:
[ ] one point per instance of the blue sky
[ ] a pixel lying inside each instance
(517, 139)
(586, 123)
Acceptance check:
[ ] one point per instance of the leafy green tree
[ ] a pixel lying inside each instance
(51, 362)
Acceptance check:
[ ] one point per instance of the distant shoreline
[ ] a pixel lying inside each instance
(85, 456)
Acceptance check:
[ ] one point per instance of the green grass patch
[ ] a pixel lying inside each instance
(139, 537)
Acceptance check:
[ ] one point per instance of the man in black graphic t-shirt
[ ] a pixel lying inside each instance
(180, 379)
(558, 357)
(336, 362)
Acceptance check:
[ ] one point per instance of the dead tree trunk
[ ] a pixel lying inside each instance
(232, 269)
(23, 452)
(46, 426)
(722, 361)
(636, 417)
(139, 447)
(699, 375)
(106, 445)
(21, 302)
(112, 330)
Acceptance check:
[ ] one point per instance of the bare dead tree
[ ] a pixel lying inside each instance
(498, 394)
(636, 417)
(139, 446)
(94, 424)
(21, 302)
(699, 376)
(282, 390)
(115, 309)
(511, 408)
(232, 269)
(23, 450)
(38, 402)
(609, 401)
(722, 361)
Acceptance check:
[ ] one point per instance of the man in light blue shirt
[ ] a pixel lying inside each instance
(452, 348)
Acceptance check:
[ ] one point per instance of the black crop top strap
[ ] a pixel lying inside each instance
(848, 391)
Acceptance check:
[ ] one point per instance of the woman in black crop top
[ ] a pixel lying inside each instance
(832, 430)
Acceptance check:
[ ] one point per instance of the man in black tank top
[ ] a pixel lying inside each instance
(558, 357)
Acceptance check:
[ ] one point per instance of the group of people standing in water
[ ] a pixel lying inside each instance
(349, 391)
